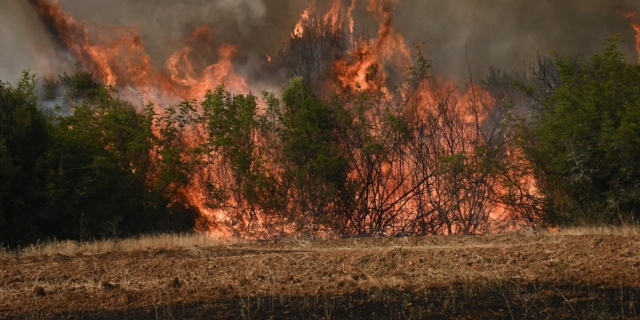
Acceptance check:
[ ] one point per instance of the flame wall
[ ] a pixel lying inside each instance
(167, 51)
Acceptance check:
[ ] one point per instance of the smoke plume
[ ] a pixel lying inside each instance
(500, 33)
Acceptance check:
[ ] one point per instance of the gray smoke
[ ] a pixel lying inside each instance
(22, 40)
(505, 34)
(493, 32)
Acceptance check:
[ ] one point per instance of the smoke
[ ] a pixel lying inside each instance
(493, 32)
(253, 25)
(507, 33)
(22, 41)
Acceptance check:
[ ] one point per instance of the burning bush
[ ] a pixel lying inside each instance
(363, 140)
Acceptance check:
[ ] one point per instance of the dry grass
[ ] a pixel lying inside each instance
(585, 273)
(146, 242)
(625, 230)
(191, 240)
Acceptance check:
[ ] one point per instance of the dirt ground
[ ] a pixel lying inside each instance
(511, 276)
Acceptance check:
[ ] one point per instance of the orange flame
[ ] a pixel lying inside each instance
(365, 68)
(298, 30)
(636, 26)
(332, 17)
(180, 65)
(350, 17)
(117, 56)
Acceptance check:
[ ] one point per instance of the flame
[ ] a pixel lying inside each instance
(74, 36)
(298, 30)
(364, 68)
(332, 17)
(117, 56)
(350, 18)
(636, 26)
(181, 68)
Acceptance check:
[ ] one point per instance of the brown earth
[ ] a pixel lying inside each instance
(511, 276)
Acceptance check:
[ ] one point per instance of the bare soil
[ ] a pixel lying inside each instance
(510, 276)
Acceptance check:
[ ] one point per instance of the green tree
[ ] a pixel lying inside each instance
(585, 142)
(24, 141)
(317, 164)
(242, 181)
(88, 172)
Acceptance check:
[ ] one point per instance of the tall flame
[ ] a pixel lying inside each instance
(350, 18)
(181, 68)
(632, 15)
(332, 17)
(636, 26)
(298, 30)
(365, 66)
(117, 57)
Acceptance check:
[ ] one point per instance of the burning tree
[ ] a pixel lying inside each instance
(312, 51)
(421, 156)
(363, 140)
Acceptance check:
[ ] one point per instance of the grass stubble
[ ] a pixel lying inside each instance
(579, 273)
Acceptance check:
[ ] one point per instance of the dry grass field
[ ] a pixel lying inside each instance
(571, 274)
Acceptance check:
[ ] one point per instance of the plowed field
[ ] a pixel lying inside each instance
(511, 276)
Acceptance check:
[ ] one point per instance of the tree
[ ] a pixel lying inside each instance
(311, 54)
(91, 172)
(24, 141)
(583, 143)
(316, 165)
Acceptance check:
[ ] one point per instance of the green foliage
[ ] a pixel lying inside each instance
(77, 176)
(98, 167)
(585, 144)
(422, 157)
(316, 164)
(232, 123)
(24, 141)
(286, 162)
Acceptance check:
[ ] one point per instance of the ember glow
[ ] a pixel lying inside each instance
(117, 56)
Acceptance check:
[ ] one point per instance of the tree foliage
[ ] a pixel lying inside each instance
(583, 140)
(81, 175)
(421, 157)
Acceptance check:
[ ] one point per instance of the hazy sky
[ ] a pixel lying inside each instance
(503, 33)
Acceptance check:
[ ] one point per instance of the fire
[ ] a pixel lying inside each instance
(74, 36)
(365, 63)
(183, 73)
(332, 17)
(350, 18)
(117, 56)
(365, 66)
(298, 31)
(636, 26)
